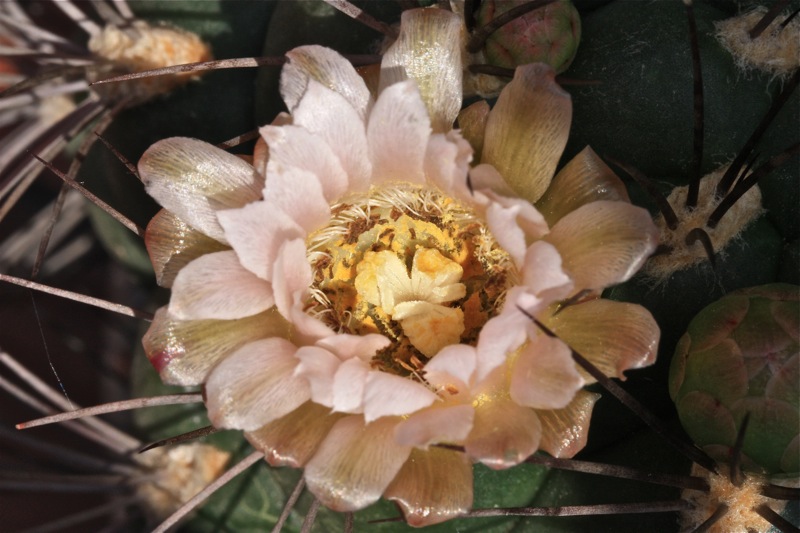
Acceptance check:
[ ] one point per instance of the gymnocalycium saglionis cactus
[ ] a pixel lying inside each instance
(637, 109)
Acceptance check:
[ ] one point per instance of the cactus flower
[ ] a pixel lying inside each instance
(359, 293)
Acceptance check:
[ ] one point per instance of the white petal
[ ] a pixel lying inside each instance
(298, 193)
(256, 233)
(428, 51)
(514, 223)
(348, 386)
(457, 360)
(346, 346)
(327, 67)
(255, 385)
(436, 425)
(291, 275)
(544, 376)
(397, 135)
(542, 273)
(327, 114)
(194, 180)
(318, 366)
(389, 395)
(217, 286)
(447, 161)
(292, 146)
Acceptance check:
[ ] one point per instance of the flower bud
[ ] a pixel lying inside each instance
(739, 356)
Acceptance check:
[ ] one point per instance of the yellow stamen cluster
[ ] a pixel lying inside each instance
(409, 263)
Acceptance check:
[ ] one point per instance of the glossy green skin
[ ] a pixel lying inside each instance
(741, 355)
(642, 115)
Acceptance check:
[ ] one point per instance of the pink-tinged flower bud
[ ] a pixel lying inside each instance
(739, 356)
(549, 34)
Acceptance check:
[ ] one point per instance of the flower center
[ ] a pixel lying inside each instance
(409, 263)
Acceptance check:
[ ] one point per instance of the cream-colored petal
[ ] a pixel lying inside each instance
(194, 180)
(293, 146)
(390, 395)
(184, 351)
(564, 431)
(217, 286)
(527, 130)
(604, 243)
(433, 486)
(327, 67)
(397, 135)
(172, 244)
(472, 121)
(292, 439)
(355, 463)
(544, 375)
(614, 336)
(503, 432)
(255, 385)
(329, 115)
(428, 51)
(586, 178)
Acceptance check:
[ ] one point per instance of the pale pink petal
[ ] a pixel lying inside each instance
(604, 243)
(327, 114)
(447, 163)
(346, 346)
(544, 375)
(298, 193)
(503, 432)
(184, 352)
(326, 67)
(255, 386)
(256, 233)
(348, 386)
(318, 366)
(565, 431)
(293, 146)
(218, 286)
(194, 180)
(502, 335)
(457, 360)
(390, 395)
(514, 223)
(542, 273)
(397, 135)
(172, 244)
(292, 439)
(485, 176)
(527, 130)
(355, 463)
(428, 51)
(586, 178)
(437, 424)
(614, 336)
(433, 486)
(291, 275)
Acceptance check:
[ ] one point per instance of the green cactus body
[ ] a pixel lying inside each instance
(739, 356)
